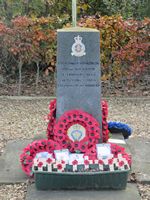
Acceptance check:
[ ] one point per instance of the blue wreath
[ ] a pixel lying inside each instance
(118, 127)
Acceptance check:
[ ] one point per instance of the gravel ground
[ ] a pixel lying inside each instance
(13, 192)
(20, 119)
(144, 191)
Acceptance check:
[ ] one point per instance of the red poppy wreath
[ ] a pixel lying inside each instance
(77, 130)
(32, 149)
(105, 130)
(52, 120)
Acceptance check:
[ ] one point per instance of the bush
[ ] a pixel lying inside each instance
(28, 41)
(124, 45)
(62, 8)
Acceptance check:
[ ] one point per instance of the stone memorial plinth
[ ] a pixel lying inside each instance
(78, 71)
(71, 157)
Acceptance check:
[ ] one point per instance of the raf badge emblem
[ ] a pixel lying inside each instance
(76, 132)
(78, 48)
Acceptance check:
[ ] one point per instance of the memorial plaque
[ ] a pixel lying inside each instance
(78, 71)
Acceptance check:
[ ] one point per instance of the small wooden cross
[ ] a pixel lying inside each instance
(74, 13)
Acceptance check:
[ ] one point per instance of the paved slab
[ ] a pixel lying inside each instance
(10, 169)
(140, 149)
(40, 136)
(131, 193)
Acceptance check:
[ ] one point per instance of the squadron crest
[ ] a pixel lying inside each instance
(78, 48)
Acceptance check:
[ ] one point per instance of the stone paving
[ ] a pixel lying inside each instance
(10, 172)
(140, 149)
(131, 193)
(10, 168)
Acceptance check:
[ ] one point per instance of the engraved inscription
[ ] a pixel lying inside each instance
(78, 75)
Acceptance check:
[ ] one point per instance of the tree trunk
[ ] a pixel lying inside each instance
(37, 75)
(20, 77)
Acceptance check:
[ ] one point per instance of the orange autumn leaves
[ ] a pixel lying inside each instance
(124, 44)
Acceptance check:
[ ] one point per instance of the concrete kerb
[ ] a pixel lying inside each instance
(52, 97)
(24, 98)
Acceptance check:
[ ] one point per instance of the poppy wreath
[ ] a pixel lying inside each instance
(77, 139)
(52, 108)
(116, 149)
(52, 120)
(104, 109)
(91, 153)
(29, 153)
(105, 130)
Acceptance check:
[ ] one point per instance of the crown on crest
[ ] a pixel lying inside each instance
(78, 39)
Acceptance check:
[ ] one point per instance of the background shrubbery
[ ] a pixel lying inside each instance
(62, 8)
(30, 41)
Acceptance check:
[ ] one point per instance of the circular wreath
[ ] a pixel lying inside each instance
(77, 139)
(52, 120)
(118, 127)
(29, 152)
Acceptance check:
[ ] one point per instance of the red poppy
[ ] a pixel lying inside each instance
(86, 162)
(40, 164)
(63, 162)
(49, 160)
(121, 163)
(75, 162)
(110, 161)
(100, 162)
(59, 166)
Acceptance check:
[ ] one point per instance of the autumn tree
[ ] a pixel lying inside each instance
(18, 40)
